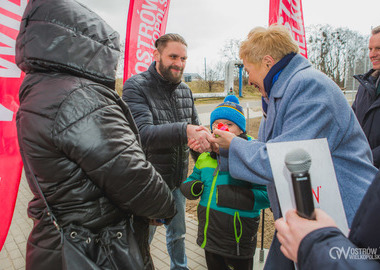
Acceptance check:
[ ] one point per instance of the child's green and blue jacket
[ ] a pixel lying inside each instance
(228, 211)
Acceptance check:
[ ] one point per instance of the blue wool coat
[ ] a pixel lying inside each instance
(305, 104)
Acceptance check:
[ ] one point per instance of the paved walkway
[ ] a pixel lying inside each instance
(12, 256)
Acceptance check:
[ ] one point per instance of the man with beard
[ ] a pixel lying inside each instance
(164, 111)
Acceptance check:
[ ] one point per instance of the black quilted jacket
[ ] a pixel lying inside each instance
(75, 132)
(162, 111)
(367, 109)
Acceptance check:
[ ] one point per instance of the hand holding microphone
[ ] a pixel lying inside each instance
(298, 163)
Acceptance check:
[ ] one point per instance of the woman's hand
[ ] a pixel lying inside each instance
(222, 138)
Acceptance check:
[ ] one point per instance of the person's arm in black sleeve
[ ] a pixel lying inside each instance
(327, 248)
(192, 187)
(153, 137)
(195, 121)
(102, 143)
(376, 156)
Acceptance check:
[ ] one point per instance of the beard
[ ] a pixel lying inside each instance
(166, 72)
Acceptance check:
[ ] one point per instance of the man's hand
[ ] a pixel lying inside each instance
(291, 232)
(198, 138)
(155, 222)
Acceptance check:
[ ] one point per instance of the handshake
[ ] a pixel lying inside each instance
(200, 139)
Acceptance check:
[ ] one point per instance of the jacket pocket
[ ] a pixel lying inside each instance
(235, 197)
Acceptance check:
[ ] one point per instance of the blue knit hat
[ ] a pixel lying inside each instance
(230, 110)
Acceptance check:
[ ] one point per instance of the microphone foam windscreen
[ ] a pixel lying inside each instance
(298, 161)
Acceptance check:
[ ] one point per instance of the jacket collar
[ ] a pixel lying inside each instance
(272, 77)
(371, 73)
(370, 76)
(369, 81)
(275, 71)
(295, 65)
(162, 81)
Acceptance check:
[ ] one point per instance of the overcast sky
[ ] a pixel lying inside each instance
(207, 24)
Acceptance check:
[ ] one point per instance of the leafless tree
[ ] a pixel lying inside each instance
(214, 74)
(331, 50)
(334, 50)
(230, 50)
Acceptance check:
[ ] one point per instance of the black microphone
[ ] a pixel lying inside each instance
(298, 163)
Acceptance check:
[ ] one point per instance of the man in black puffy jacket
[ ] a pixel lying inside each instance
(75, 133)
(367, 102)
(163, 108)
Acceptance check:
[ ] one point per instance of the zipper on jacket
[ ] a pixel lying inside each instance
(215, 174)
(237, 237)
(176, 120)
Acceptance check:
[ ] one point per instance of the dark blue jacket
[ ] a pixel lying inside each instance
(328, 248)
(367, 109)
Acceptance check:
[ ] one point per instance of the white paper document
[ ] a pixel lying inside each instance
(324, 184)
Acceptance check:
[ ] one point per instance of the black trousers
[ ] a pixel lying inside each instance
(218, 262)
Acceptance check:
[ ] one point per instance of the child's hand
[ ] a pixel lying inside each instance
(194, 144)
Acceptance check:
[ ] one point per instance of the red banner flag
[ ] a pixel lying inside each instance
(289, 13)
(146, 22)
(11, 77)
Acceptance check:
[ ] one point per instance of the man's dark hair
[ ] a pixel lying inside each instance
(161, 42)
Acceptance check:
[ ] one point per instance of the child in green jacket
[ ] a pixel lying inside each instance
(229, 209)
